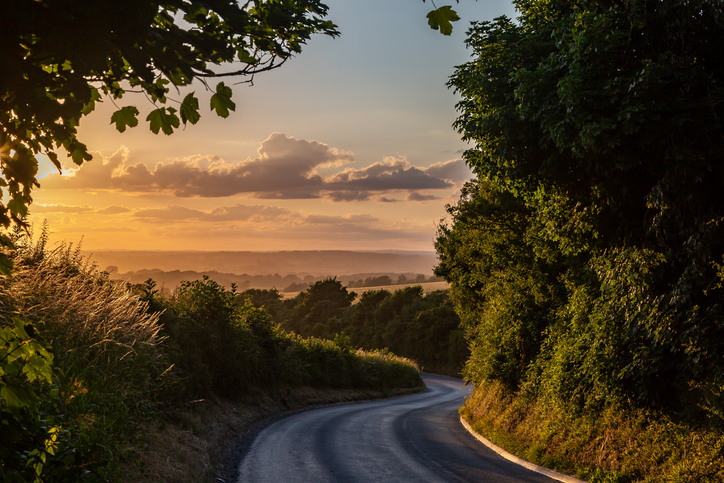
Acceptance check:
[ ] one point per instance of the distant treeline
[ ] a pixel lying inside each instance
(407, 322)
(169, 281)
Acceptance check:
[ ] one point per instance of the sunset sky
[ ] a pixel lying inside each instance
(347, 146)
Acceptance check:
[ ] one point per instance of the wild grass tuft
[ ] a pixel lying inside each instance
(108, 360)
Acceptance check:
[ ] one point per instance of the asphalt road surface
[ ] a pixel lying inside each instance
(416, 438)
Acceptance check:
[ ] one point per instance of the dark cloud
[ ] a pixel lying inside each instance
(415, 196)
(285, 168)
(348, 195)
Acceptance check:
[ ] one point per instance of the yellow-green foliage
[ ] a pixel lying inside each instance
(616, 445)
(77, 304)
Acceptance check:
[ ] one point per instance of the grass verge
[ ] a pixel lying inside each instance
(621, 445)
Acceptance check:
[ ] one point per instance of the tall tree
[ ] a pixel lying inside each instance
(605, 121)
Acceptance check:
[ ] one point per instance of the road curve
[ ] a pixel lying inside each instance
(416, 438)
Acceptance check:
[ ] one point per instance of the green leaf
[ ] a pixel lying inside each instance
(17, 397)
(246, 57)
(53, 158)
(125, 116)
(91, 104)
(160, 120)
(441, 19)
(190, 109)
(18, 206)
(80, 153)
(221, 101)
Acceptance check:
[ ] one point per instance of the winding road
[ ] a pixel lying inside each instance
(415, 438)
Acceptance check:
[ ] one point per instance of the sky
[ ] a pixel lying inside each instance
(349, 145)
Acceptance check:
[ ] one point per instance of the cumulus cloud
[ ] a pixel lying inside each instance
(285, 168)
(454, 170)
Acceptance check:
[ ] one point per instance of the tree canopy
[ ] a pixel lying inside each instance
(598, 144)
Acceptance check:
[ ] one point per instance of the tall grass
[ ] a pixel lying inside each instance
(76, 303)
(108, 362)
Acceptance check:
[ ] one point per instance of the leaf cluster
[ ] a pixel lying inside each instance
(60, 58)
(584, 259)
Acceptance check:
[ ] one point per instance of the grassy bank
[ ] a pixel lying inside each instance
(617, 445)
(96, 376)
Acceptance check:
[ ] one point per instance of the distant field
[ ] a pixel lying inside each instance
(426, 288)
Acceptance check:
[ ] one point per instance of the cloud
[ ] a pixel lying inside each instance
(254, 213)
(285, 168)
(454, 170)
(170, 213)
(238, 212)
(264, 215)
(317, 219)
(38, 208)
(113, 210)
(415, 196)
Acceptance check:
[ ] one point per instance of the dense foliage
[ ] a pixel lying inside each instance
(406, 322)
(585, 260)
(84, 360)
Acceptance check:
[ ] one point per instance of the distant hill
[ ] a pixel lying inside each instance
(316, 263)
(289, 283)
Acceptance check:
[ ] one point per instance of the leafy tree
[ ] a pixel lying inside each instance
(602, 123)
(61, 57)
(269, 299)
(318, 306)
(502, 290)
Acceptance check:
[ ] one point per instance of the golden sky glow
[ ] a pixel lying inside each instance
(348, 146)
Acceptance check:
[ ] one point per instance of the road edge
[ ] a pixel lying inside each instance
(227, 467)
(519, 461)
